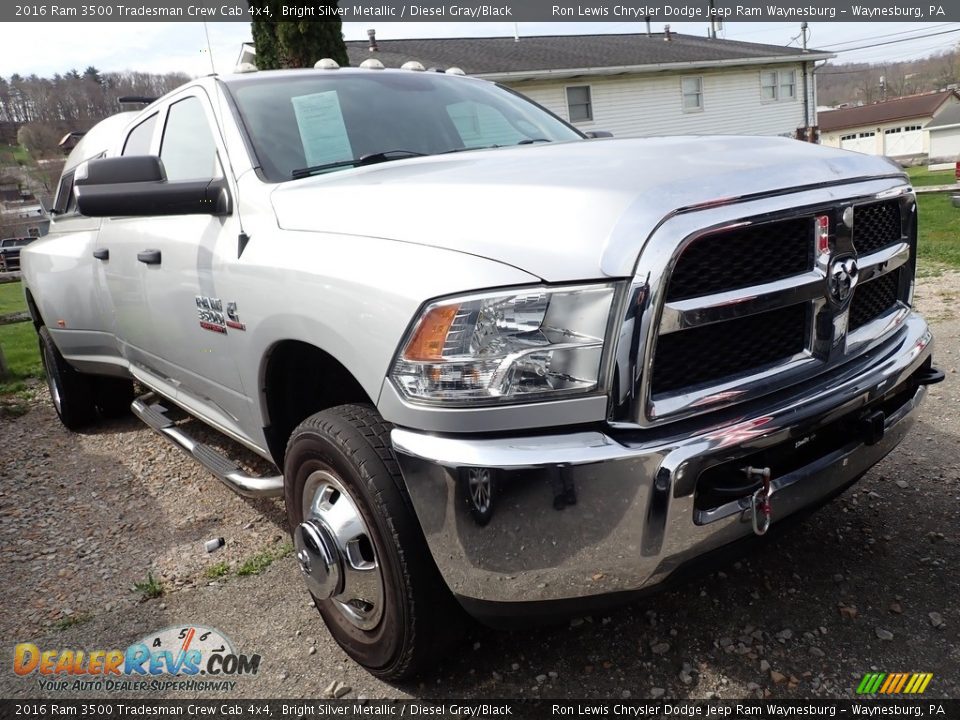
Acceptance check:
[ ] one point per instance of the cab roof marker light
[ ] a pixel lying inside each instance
(371, 64)
(455, 71)
(326, 64)
(412, 65)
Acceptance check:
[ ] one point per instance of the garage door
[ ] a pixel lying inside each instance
(906, 140)
(864, 142)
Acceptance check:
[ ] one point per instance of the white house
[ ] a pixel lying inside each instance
(896, 128)
(634, 85)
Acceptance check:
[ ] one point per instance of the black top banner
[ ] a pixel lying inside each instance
(474, 11)
(525, 709)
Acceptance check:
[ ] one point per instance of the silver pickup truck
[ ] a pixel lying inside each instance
(501, 367)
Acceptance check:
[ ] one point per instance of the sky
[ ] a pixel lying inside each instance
(47, 48)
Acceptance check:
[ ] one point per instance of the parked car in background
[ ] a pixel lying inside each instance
(10, 252)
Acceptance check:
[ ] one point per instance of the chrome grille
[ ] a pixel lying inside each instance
(745, 307)
(876, 226)
(714, 352)
(743, 257)
(874, 298)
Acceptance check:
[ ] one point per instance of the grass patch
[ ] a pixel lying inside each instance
(262, 560)
(930, 269)
(149, 588)
(11, 298)
(71, 620)
(19, 345)
(921, 177)
(217, 571)
(16, 153)
(939, 242)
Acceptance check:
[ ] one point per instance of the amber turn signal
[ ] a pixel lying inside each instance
(431, 334)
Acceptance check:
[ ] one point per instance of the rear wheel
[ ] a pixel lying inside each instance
(70, 391)
(360, 547)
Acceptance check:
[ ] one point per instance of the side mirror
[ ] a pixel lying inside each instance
(136, 186)
(594, 134)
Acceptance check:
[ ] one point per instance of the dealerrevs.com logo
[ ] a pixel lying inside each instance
(188, 658)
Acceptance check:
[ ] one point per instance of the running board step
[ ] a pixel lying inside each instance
(148, 408)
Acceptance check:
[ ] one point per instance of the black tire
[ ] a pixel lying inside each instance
(70, 391)
(420, 618)
(112, 396)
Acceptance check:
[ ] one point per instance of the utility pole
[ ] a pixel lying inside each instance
(804, 28)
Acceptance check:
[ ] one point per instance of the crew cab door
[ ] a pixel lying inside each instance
(62, 280)
(179, 333)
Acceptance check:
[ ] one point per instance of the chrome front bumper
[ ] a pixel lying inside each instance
(590, 513)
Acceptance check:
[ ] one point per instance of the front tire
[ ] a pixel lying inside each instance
(360, 546)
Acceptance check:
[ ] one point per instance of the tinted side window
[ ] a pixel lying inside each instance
(138, 141)
(188, 150)
(65, 202)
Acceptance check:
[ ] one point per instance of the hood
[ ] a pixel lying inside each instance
(552, 210)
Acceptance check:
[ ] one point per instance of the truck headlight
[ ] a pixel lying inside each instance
(512, 345)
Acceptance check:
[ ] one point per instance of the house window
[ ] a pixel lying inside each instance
(848, 137)
(891, 131)
(908, 128)
(788, 84)
(778, 85)
(579, 104)
(867, 134)
(768, 85)
(692, 91)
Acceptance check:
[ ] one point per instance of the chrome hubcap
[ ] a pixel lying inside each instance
(319, 559)
(336, 553)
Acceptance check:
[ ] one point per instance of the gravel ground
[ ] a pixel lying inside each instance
(869, 583)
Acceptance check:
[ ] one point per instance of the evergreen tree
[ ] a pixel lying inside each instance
(91, 73)
(296, 44)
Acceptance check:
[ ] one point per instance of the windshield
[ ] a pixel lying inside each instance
(328, 121)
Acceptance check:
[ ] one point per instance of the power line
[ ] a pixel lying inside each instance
(896, 60)
(893, 42)
(886, 35)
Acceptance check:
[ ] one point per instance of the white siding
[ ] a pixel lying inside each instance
(945, 144)
(881, 140)
(911, 145)
(644, 105)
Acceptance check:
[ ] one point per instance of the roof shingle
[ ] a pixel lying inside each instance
(479, 56)
(904, 108)
(948, 116)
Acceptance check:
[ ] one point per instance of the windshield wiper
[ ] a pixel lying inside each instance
(531, 141)
(369, 159)
(465, 149)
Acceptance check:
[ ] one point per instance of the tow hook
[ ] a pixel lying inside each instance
(929, 376)
(760, 505)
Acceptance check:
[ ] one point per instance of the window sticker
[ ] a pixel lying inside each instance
(322, 130)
